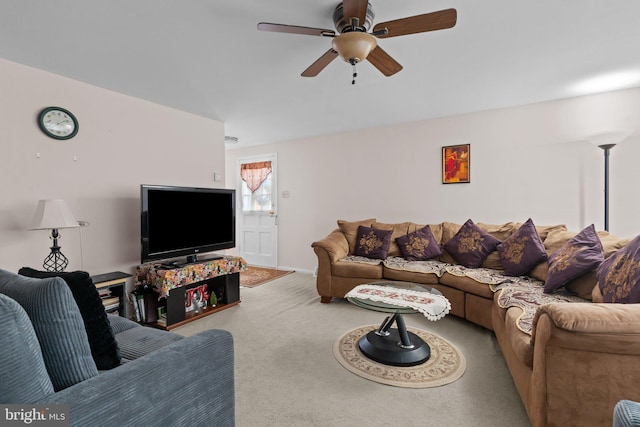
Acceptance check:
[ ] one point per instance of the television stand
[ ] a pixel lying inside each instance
(219, 276)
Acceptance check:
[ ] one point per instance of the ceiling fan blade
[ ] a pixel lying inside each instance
(383, 62)
(295, 29)
(355, 9)
(419, 24)
(315, 68)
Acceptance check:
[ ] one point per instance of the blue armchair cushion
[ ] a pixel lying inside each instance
(104, 347)
(23, 376)
(626, 413)
(58, 325)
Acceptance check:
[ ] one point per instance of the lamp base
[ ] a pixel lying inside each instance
(55, 261)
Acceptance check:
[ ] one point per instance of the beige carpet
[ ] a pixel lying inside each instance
(445, 365)
(287, 376)
(254, 276)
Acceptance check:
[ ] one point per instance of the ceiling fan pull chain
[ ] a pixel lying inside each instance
(355, 74)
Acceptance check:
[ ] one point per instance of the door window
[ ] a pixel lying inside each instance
(257, 185)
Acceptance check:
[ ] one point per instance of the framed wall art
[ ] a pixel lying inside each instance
(456, 160)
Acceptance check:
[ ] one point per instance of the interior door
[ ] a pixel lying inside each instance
(258, 219)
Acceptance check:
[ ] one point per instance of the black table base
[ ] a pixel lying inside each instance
(395, 347)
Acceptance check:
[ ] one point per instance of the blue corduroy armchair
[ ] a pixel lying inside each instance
(164, 379)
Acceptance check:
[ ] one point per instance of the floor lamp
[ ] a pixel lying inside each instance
(607, 148)
(606, 141)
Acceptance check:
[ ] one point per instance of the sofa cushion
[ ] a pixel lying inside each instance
(372, 243)
(137, 342)
(356, 269)
(583, 285)
(398, 230)
(23, 376)
(466, 284)
(611, 244)
(545, 230)
(121, 324)
(104, 348)
(519, 340)
(436, 230)
(522, 251)
(350, 230)
(409, 276)
(500, 232)
(58, 325)
(553, 240)
(596, 294)
(579, 255)
(419, 246)
(449, 230)
(471, 245)
(619, 275)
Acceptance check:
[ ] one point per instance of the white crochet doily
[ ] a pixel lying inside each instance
(432, 306)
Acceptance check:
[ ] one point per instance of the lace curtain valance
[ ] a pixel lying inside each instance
(254, 174)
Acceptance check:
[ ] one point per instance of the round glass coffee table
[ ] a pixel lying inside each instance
(395, 346)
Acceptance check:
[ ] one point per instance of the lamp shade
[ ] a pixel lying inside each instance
(354, 46)
(53, 213)
(610, 138)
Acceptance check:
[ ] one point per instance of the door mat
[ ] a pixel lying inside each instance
(255, 276)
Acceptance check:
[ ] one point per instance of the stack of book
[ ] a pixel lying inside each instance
(111, 302)
(145, 302)
(111, 290)
(137, 297)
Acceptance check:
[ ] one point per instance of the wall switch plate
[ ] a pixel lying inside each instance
(285, 194)
(217, 177)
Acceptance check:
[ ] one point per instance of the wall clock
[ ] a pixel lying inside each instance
(58, 123)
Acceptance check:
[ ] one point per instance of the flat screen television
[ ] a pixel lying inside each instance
(178, 221)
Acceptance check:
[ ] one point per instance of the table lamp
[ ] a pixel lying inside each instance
(52, 215)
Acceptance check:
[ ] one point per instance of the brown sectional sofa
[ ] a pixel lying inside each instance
(571, 360)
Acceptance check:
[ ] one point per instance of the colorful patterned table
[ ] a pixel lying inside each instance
(221, 276)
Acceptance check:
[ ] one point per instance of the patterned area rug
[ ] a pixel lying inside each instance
(445, 365)
(255, 276)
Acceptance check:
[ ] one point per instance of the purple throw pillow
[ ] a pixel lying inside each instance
(471, 245)
(522, 251)
(619, 275)
(420, 245)
(372, 242)
(579, 255)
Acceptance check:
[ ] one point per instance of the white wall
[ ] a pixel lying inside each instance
(529, 161)
(122, 142)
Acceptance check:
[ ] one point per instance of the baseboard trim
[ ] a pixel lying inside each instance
(297, 270)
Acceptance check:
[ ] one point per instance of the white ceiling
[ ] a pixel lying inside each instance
(207, 57)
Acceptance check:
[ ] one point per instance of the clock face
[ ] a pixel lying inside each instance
(58, 123)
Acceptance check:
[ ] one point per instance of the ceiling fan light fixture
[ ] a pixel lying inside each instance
(354, 46)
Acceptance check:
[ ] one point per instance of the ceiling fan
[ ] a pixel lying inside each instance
(353, 43)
